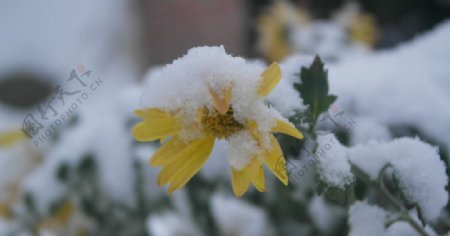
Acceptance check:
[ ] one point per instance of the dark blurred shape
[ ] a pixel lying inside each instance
(398, 20)
(173, 27)
(401, 20)
(24, 90)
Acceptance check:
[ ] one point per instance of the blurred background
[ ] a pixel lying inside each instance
(71, 74)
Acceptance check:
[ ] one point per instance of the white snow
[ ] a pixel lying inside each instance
(7, 227)
(170, 224)
(366, 129)
(16, 162)
(237, 217)
(49, 37)
(404, 229)
(404, 86)
(333, 166)
(184, 83)
(417, 167)
(214, 166)
(242, 147)
(284, 97)
(365, 219)
(324, 215)
(395, 87)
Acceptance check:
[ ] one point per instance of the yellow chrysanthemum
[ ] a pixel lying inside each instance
(188, 138)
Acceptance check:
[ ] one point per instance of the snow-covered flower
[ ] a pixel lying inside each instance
(208, 95)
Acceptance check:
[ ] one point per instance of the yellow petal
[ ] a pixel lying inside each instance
(222, 100)
(168, 152)
(157, 124)
(194, 164)
(258, 178)
(240, 181)
(254, 132)
(152, 113)
(186, 155)
(286, 128)
(5, 211)
(274, 159)
(200, 115)
(64, 213)
(10, 138)
(270, 78)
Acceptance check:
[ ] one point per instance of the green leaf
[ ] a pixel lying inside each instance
(63, 172)
(56, 205)
(344, 197)
(88, 207)
(30, 203)
(314, 88)
(341, 196)
(87, 165)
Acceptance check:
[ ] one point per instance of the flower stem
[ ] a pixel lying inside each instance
(394, 202)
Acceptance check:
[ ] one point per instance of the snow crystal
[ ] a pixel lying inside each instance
(417, 166)
(365, 219)
(333, 166)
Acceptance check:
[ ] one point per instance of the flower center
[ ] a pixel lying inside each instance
(220, 126)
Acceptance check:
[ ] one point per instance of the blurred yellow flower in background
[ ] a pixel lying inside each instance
(364, 30)
(10, 138)
(274, 29)
(60, 217)
(19, 161)
(362, 27)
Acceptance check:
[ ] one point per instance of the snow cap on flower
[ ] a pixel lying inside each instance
(208, 95)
